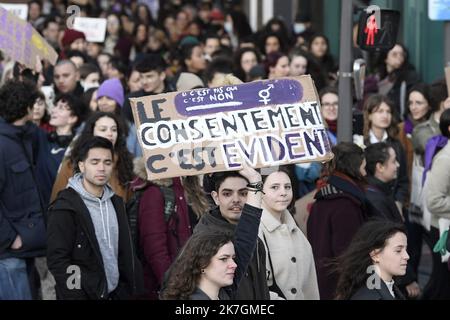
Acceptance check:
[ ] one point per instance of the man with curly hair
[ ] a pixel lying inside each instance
(22, 226)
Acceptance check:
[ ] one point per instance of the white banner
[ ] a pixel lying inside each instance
(18, 9)
(93, 28)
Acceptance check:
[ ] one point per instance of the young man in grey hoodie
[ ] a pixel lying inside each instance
(90, 252)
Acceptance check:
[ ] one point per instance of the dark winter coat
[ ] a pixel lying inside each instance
(380, 195)
(50, 155)
(72, 242)
(364, 293)
(253, 285)
(401, 184)
(339, 211)
(21, 211)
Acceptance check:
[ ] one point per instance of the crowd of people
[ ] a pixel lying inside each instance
(80, 219)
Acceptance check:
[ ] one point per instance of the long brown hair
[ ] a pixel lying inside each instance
(352, 266)
(195, 195)
(371, 105)
(185, 272)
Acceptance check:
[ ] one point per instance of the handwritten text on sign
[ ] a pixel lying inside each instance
(216, 129)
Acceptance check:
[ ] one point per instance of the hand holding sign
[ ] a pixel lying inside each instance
(249, 173)
(252, 176)
(20, 41)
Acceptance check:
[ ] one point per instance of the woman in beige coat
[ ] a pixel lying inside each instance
(437, 195)
(289, 257)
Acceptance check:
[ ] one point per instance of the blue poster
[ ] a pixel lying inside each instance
(439, 9)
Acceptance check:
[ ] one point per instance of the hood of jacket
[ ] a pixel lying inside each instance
(76, 183)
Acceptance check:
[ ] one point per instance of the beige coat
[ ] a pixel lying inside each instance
(292, 257)
(438, 187)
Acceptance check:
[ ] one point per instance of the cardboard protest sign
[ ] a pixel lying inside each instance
(447, 79)
(265, 123)
(19, 9)
(93, 28)
(20, 41)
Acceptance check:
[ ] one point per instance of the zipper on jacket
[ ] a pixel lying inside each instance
(257, 253)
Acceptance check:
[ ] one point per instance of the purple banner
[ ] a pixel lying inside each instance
(247, 96)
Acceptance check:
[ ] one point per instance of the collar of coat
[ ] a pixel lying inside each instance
(271, 223)
(376, 185)
(385, 294)
(339, 184)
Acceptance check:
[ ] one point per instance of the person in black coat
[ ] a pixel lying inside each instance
(380, 125)
(382, 167)
(376, 255)
(340, 209)
(22, 225)
(254, 283)
(90, 252)
(204, 269)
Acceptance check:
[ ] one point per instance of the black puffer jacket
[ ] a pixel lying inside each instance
(399, 185)
(253, 285)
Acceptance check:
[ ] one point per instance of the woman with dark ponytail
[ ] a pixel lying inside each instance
(375, 256)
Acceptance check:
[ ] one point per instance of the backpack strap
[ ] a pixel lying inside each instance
(274, 287)
(170, 206)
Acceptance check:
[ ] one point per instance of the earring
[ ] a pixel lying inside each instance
(203, 270)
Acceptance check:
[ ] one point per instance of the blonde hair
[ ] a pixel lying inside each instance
(195, 195)
(221, 79)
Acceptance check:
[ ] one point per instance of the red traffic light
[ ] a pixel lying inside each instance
(378, 30)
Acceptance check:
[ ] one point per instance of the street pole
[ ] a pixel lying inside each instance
(345, 128)
(447, 43)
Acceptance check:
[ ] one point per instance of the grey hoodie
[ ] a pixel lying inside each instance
(104, 219)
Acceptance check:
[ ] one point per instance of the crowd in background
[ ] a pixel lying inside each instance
(317, 227)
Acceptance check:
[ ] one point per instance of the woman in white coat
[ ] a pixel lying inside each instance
(289, 258)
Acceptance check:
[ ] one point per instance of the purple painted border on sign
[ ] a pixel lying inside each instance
(238, 97)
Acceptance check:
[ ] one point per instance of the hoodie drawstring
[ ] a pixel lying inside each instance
(107, 226)
(105, 230)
